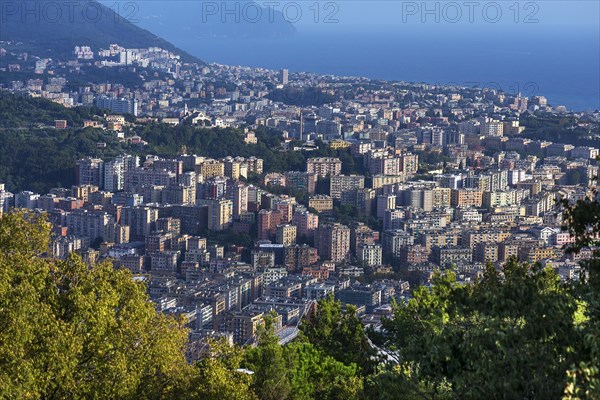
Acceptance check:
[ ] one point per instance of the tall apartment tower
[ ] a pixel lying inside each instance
(240, 199)
(306, 223)
(333, 242)
(267, 223)
(286, 234)
(220, 213)
(114, 172)
(88, 171)
(284, 76)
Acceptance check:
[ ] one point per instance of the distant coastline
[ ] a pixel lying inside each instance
(563, 69)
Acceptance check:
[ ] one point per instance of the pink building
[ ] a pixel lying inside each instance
(333, 242)
(267, 223)
(562, 239)
(305, 222)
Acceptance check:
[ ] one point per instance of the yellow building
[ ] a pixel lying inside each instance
(339, 144)
(321, 203)
(210, 168)
(286, 234)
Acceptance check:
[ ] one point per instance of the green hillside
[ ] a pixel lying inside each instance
(53, 29)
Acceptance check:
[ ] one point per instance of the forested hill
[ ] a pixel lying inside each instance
(53, 29)
(36, 156)
(18, 111)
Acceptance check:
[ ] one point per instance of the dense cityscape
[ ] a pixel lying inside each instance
(370, 188)
(493, 194)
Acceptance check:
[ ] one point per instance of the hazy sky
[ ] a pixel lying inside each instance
(507, 12)
(434, 14)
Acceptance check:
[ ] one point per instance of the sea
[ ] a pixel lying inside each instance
(561, 63)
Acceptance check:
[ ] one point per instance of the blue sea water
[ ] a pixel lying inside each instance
(561, 62)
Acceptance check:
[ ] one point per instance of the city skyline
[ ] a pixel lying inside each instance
(178, 229)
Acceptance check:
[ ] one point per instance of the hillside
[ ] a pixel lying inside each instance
(22, 112)
(35, 156)
(53, 29)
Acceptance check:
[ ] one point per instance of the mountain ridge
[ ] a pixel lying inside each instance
(54, 31)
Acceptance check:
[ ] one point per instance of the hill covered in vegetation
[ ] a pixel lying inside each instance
(53, 29)
(36, 156)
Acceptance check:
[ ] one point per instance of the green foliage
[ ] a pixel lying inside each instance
(396, 383)
(72, 332)
(228, 238)
(582, 381)
(299, 371)
(218, 376)
(167, 141)
(41, 159)
(582, 220)
(573, 177)
(558, 129)
(23, 112)
(126, 76)
(315, 375)
(347, 214)
(335, 330)
(301, 196)
(271, 375)
(220, 142)
(36, 157)
(308, 96)
(69, 331)
(511, 336)
(350, 165)
(432, 158)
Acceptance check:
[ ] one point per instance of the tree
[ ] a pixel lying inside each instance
(271, 380)
(339, 333)
(509, 335)
(299, 370)
(396, 383)
(315, 375)
(219, 376)
(573, 177)
(69, 331)
(582, 220)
